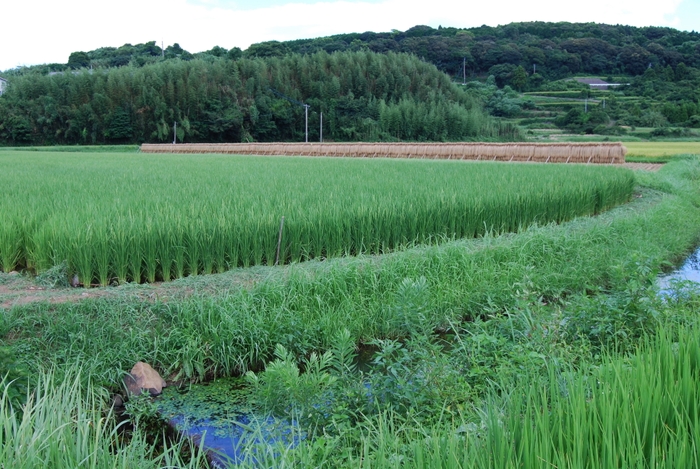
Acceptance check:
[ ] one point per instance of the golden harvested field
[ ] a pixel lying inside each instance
(653, 149)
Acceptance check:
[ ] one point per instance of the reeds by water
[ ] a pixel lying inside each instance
(64, 424)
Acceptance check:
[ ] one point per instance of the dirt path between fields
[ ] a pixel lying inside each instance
(19, 289)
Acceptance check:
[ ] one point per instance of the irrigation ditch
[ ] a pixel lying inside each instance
(220, 417)
(689, 271)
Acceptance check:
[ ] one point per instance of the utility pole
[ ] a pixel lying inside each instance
(534, 68)
(321, 130)
(585, 106)
(464, 72)
(294, 101)
(175, 133)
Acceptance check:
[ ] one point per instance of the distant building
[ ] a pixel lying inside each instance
(598, 84)
(3, 84)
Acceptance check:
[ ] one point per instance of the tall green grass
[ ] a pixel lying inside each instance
(640, 411)
(560, 405)
(533, 393)
(64, 424)
(136, 218)
(302, 306)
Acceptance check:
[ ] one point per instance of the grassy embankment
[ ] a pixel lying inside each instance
(556, 330)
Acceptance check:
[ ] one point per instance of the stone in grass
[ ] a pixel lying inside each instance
(144, 377)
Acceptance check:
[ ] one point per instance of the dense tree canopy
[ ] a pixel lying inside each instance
(362, 95)
(369, 86)
(556, 49)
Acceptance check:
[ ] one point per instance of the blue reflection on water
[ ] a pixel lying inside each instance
(220, 417)
(235, 440)
(687, 277)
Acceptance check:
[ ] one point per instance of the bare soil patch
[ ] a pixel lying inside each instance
(19, 289)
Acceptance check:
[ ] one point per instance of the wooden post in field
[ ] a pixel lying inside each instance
(279, 242)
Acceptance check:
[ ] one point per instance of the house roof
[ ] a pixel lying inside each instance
(1, 78)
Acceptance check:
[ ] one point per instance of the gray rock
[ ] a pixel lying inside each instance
(117, 401)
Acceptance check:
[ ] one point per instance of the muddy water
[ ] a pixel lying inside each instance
(688, 272)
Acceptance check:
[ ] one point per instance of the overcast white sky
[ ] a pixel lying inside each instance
(47, 31)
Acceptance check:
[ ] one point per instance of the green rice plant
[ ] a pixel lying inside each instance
(637, 412)
(10, 244)
(135, 256)
(258, 249)
(270, 242)
(120, 252)
(44, 249)
(149, 247)
(207, 239)
(81, 254)
(152, 217)
(220, 245)
(193, 248)
(178, 252)
(103, 260)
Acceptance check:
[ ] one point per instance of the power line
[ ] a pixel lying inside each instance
(298, 103)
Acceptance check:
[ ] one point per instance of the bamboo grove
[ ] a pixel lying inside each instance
(362, 96)
(140, 218)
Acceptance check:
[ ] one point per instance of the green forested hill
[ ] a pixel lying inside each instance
(362, 95)
(369, 86)
(556, 49)
(660, 64)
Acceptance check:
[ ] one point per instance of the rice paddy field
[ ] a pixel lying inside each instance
(662, 149)
(142, 218)
(550, 347)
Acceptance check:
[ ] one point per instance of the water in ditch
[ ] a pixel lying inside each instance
(685, 277)
(219, 417)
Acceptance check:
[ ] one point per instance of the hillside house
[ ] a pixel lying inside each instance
(598, 84)
(3, 84)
